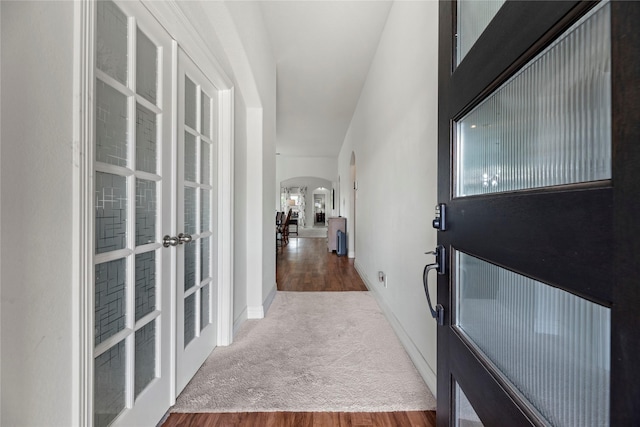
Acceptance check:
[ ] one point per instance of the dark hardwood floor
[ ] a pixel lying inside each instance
(305, 419)
(305, 265)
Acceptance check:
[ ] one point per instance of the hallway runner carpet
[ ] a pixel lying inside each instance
(313, 352)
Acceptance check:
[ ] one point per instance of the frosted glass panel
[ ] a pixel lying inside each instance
(189, 318)
(145, 212)
(551, 345)
(111, 40)
(189, 157)
(465, 415)
(145, 369)
(205, 114)
(146, 140)
(190, 103)
(190, 210)
(204, 307)
(189, 265)
(548, 125)
(147, 68)
(111, 125)
(111, 212)
(109, 385)
(205, 163)
(205, 254)
(110, 309)
(205, 210)
(145, 284)
(473, 18)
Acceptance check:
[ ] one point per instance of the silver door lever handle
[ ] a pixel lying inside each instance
(169, 241)
(184, 238)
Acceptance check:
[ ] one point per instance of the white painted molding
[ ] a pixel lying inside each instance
(82, 229)
(352, 254)
(270, 297)
(427, 374)
(172, 17)
(255, 312)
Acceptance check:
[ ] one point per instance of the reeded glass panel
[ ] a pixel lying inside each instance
(189, 265)
(473, 18)
(465, 415)
(145, 211)
(111, 40)
(111, 125)
(205, 163)
(146, 140)
(190, 212)
(110, 309)
(145, 368)
(109, 385)
(189, 318)
(204, 307)
(205, 254)
(146, 68)
(145, 284)
(205, 210)
(551, 345)
(111, 212)
(548, 125)
(205, 113)
(189, 157)
(190, 103)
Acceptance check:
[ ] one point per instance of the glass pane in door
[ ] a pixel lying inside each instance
(552, 346)
(111, 212)
(109, 385)
(111, 40)
(473, 18)
(146, 140)
(550, 124)
(464, 414)
(145, 363)
(110, 299)
(146, 68)
(111, 125)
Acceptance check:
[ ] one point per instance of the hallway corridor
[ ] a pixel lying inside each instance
(304, 265)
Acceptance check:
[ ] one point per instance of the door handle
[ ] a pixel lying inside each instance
(169, 241)
(437, 312)
(184, 238)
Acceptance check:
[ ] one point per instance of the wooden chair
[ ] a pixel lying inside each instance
(282, 231)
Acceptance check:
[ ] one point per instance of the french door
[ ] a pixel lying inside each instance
(197, 195)
(538, 158)
(132, 369)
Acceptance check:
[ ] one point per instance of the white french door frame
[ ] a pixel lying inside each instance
(83, 222)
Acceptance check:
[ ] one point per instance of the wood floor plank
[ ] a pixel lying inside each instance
(304, 419)
(304, 265)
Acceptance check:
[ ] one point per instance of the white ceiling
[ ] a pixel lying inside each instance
(323, 51)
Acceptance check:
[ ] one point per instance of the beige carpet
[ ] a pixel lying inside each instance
(315, 351)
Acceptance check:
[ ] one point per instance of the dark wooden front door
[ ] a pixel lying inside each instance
(539, 169)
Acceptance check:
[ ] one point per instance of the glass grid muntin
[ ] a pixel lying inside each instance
(127, 336)
(198, 185)
(456, 122)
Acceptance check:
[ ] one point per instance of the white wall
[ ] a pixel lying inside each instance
(393, 134)
(292, 167)
(261, 137)
(36, 170)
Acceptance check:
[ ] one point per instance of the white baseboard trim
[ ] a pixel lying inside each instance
(255, 312)
(427, 374)
(269, 299)
(237, 323)
(351, 254)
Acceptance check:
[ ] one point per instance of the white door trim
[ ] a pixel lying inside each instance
(82, 222)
